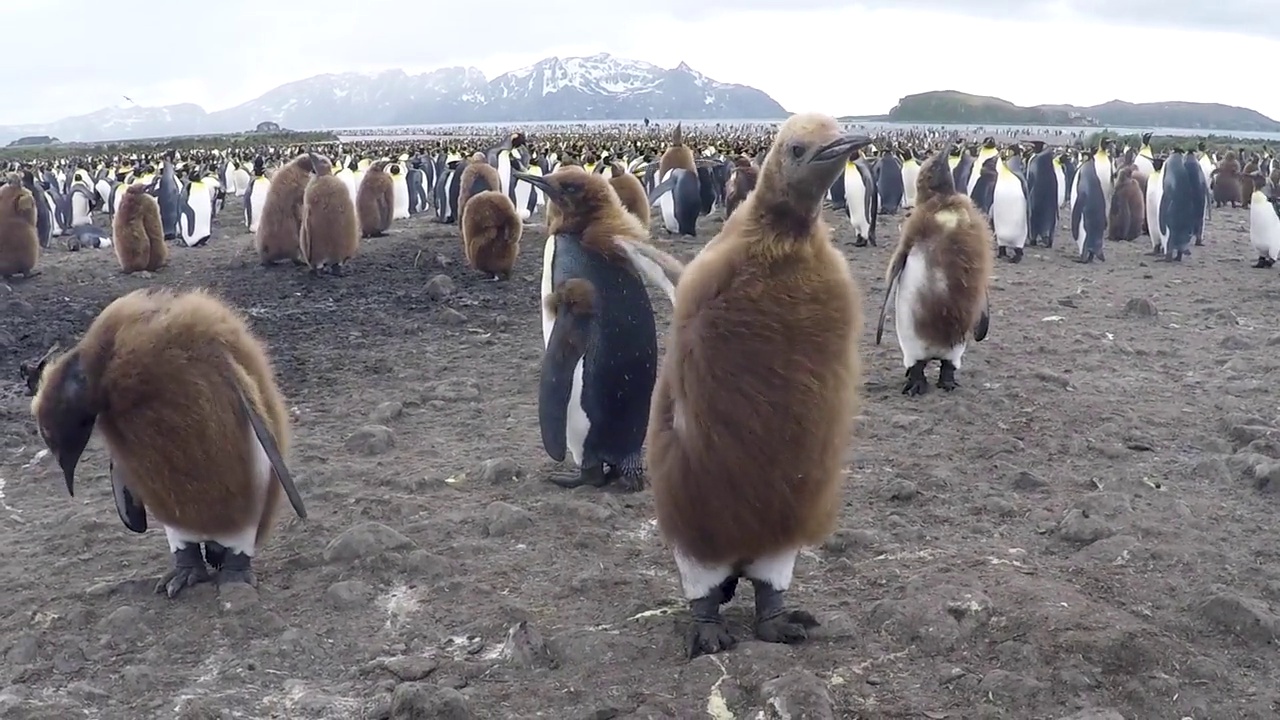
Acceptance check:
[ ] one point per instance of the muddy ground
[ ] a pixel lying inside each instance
(1087, 524)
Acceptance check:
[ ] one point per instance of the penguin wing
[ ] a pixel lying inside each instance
(565, 349)
(132, 513)
(189, 215)
(899, 262)
(272, 452)
(658, 267)
(1077, 216)
(984, 321)
(248, 205)
(661, 189)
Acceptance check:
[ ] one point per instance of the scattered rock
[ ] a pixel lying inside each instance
(1009, 687)
(1082, 527)
(1052, 378)
(525, 648)
(1067, 302)
(504, 518)
(23, 651)
(1266, 476)
(844, 541)
(1113, 550)
(1247, 618)
(500, 470)
(349, 594)
(797, 694)
(453, 390)
(1092, 714)
(439, 287)
(901, 490)
(1235, 342)
(1242, 435)
(386, 412)
(904, 421)
(371, 440)
(411, 669)
(1027, 480)
(363, 541)
(449, 316)
(1140, 307)
(123, 623)
(423, 701)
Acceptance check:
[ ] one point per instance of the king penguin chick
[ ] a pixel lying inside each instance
(280, 225)
(491, 230)
(477, 177)
(755, 401)
(330, 234)
(598, 330)
(632, 195)
(375, 201)
(216, 477)
(742, 180)
(136, 232)
(938, 276)
(19, 241)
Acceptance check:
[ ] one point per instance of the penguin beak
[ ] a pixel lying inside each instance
(541, 183)
(69, 454)
(840, 148)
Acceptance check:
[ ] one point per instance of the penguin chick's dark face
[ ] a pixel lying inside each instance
(64, 415)
(574, 191)
(809, 153)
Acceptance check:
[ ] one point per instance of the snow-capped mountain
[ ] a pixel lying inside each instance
(600, 87)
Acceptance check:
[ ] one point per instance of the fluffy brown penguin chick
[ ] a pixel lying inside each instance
(491, 230)
(19, 242)
(204, 455)
(330, 234)
(938, 278)
(755, 400)
(137, 235)
(1128, 206)
(677, 155)
(742, 180)
(281, 221)
(477, 177)
(632, 195)
(375, 201)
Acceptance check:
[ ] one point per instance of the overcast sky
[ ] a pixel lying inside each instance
(818, 55)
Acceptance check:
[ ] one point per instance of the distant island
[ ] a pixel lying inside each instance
(951, 107)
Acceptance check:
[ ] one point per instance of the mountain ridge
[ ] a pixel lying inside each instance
(554, 89)
(955, 107)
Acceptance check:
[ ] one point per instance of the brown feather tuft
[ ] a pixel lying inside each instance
(491, 230)
(137, 235)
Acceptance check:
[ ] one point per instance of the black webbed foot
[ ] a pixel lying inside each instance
(860, 242)
(774, 622)
(237, 568)
(947, 376)
(1002, 252)
(709, 634)
(916, 383)
(1016, 257)
(1085, 258)
(188, 569)
(588, 475)
(1264, 262)
(338, 270)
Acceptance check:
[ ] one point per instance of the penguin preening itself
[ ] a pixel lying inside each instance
(938, 278)
(601, 349)
(137, 233)
(491, 230)
(375, 201)
(632, 195)
(279, 226)
(215, 479)
(19, 241)
(755, 401)
(330, 233)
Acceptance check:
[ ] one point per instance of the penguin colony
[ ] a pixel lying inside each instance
(770, 285)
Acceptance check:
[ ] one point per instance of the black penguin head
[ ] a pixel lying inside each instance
(65, 414)
(578, 194)
(989, 143)
(1036, 145)
(808, 154)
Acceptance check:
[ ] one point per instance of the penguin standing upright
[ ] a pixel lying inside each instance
(678, 198)
(19, 245)
(861, 201)
(255, 195)
(196, 225)
(348, 177)
(215, 482)
(1009, 205)
(400, 190)
(169, 195)
(1264, 222)
(1197, 212)
(987, 150)
(983, 193)
(1157, 224)
(1089, 209)
(329, 234)
(1128, 206)
(938, 279)
(754, 406)
(599, 333)
(375, 201)
(889, 183)
(240, 179)
(1044, 193)
(416, 182)
(910, 171)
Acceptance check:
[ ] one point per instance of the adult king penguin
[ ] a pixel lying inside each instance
(1264, 222)
(214, 482)
(598, 328)
(1044, 194)
(755, 401)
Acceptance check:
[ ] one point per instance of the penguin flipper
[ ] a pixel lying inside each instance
(661, 189)
(565, 349)
(899, 262)
(190, 216)
(272, 452)
(659, 268)
(984, 321)
(132, 513)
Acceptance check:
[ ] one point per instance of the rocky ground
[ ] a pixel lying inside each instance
(1084, 530)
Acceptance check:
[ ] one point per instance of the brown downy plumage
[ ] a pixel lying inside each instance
(477, 177)
(1128, 206)
(375, 201)
(553, 212)
(742, 180)
(755, 400)
(677, 155)
(330, 234)
(953, 240)
(136, 232)
(19, 243)
(217, 474)
(1226, 181)
(491, 231)
(632, 195)
(281, 222)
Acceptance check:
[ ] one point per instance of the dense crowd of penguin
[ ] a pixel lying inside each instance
(743, 475)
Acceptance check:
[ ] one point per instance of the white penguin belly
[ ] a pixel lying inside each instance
(1264, 227)
(240, 181)
(1009, 212)
(1075, 188)
(400, 199)
(258, 201)
(909, 175)
(80, 212)
(576, 423)
(915, 278)
(243, 540)
(1155, 191)
(1061, 177)
(855, 202)
(548, 258)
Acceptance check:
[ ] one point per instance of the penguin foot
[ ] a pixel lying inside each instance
(1002, 252)
(188, 569)
(215, 555)
(1156, 252)
(1199, 242)
(916, 383)
(338, 270)
(775, 623)
(860, 242)
(1033, 242)
(592, 476)
(237, 568)
(709, 633)
(947, 377)
(1264, 262)
(1016, 257)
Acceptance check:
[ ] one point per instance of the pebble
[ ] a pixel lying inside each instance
(1247, 618)
(439, 287)
(1140, 307)
(371, 440)
(423, 701)
(797, 694)
(411, 669)
(499, 471)
(453, 390)
(363, 541)
(504, 518)
(1081, 527)
(349, 594)
(449, 316)
(525, 648)
(386, 412)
